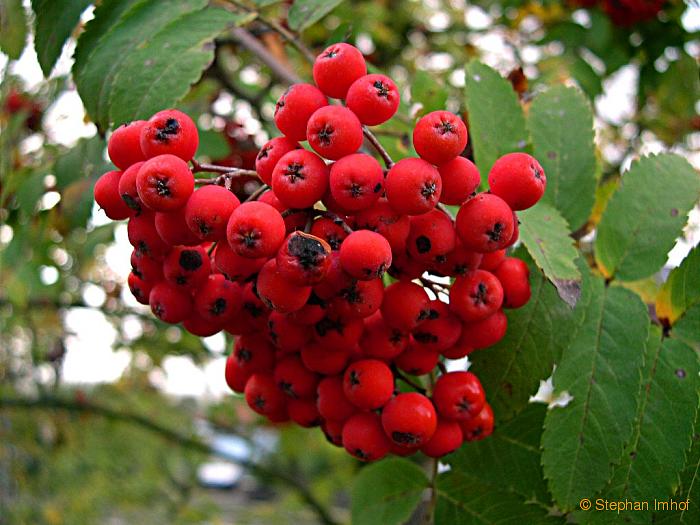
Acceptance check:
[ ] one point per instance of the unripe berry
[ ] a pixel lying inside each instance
(295, 107)
(356, 181)
(373, 98)
(458, 395)
(108, 198)
(124, 147)
(460, 178)
(164, 183)
(299, 179)
(255, 230)
(337, 67)
(208, 210)
(409, 419)
(439, 137)
(270, 154)
(413, 186)
(484, 223)
(518, 179)
(365, 255)
(169, 132)
(334, 132)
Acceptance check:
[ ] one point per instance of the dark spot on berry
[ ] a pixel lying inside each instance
(136, 291)
(259, 402)
(218, 307)
(334, 242)
(423, 244)
(405, 438)
(253, 310)
(294, 171)
(136, 272)
(495, 233)
(162, 187)
(425, 337)
(190, 260)
(131, 202)
(433, 314)
(459, 269)
(355, 190)
(445, 127)
(181, 280)
(680, 373)
(423, 315)
(354, 378)
(537, 172)
(331, 53)
(308, 250)
(382, 89)
(159, 310)
(287, 388)
(243, 355)
(264, 152)
(463, 405)
(440, 259)
(361, 454)
(168, 131)
(378, 187)
(352, 295)
(250, 238)
(428, 190)
(142, 248)
(203, 227)
(396, 337)
(479, 296)
(327, 324)
(325, 135)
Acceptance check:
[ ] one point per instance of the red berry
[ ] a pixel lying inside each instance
(255, 230)
(329, 231)
(386, 221)
(335, 332)
(491, 260)
(295, 107)
(124, 146)
(270, 154)
(486, 332)
(233, 266)
(459, 261)
(253, 315)
(334, 132)
(458, 395)
(277, 292)
(235, 376)
(479, 426)
(127, 187)
(336, 279)
(373, 98)
(518, 179)
(365, 255)
(326, 361)
(476, 295)
(439, 137)
(170, 303)
(201, 327)
(485, 223)
(263, 396)
(356, 182)
(304, 412)
(173, 229)
(208, 210)
(285, 334)
(304, 259)
(460, 178)
(409, 419)
(368, 384)
(300, 179)
(187, 267)
(447, 438)
(413, 186)
(405, 305)
(252, 353)
(169, 132)
(417, 359)
(164, 183)
(108, 198)
(337, 67)
(139, 288)
(359, 299)
(333, 430)
(364, 437)
(380, 341)
(144, 237)
(440, 331)
(431, 237)
(312, 312)
(513, 275)
(332, 403)
(294, 379)
(146, 268)
(406, 268)
(218, 300)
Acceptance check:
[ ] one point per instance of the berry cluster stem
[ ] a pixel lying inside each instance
(199, 167)
(406, 380)
(388, 162)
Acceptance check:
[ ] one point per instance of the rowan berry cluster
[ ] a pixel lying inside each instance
(321, 338)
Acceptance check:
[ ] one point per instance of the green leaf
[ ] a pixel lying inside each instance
(463, 500)
(496, 120)
(160, 72)
(54, 22)
(545, 234)
(138, 25)
(29, 193)
(687, 328)
(645, 216)
(305, 13)
(681, 290)
(510, 458)
(561, 126)
(428, 91)
(511, 370)
(13, 28)
(85, 159)
(387, 492)
(664, 428)
(601, 369)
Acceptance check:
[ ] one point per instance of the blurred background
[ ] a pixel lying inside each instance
(108, 415)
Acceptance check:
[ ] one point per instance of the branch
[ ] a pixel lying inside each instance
(173, 436)
(337, 220)
(256, 194)
(388, 162)
(406, 380)
(252, 44)
(199, 167)
(444, 209)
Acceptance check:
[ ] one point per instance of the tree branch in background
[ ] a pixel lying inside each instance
(252, 44)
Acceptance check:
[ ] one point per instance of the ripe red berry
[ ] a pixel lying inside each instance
(486, 332)
(406, 268)
(299, 179)
(333, 430)
(431, 237)
(460, 178)
(146, 268)
(255, 230)
(253, 315)
(262, 394)
(270, 154)
(187, 266)
(380, 341)
(334, 132)
(295, 107)
(405, 305)
(218, 300)
(439, 137)
(304, 259)
(373, 98)
(108, 198)
(386, 221)
(173, 229)
(329, 231)
(359, 299)
(208, 210)
(277, 292)
(326, 361)
(364, 437)
(169, 132)
(235, 376)
(124, 147)
(479, 426)
(409, 419)
(459, 261)
(365, 255)
(491, 260)
(440, 331)
(333, 331)
(356, 182)
(139, 288)
(233, 266)
(285, 334)
(200, 327)
(336, 279)
(304, 412)
(447, 438)
(252, 353)
(144, 237)
(332, 403)
(337, 67)
(514, 277)
(413, 186)
(164, 183)
(458, 395)
(417, 359)
(170, 303)
(476, 295)
(294, 379)
(518, 179)
(368, 384)
(127, 187)
(485, 223)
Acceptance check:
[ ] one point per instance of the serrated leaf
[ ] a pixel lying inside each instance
(305, 13)
(428, 91)
(645, 216)
(561, 126)
(54, 22)
(387, 492)
(601, 369)
(545, 234)
(510, 458)
(681, 290)
(511, 370)
(496, 120)
(161, 71)
(13, 28)
(465, 501)
(96, 81)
